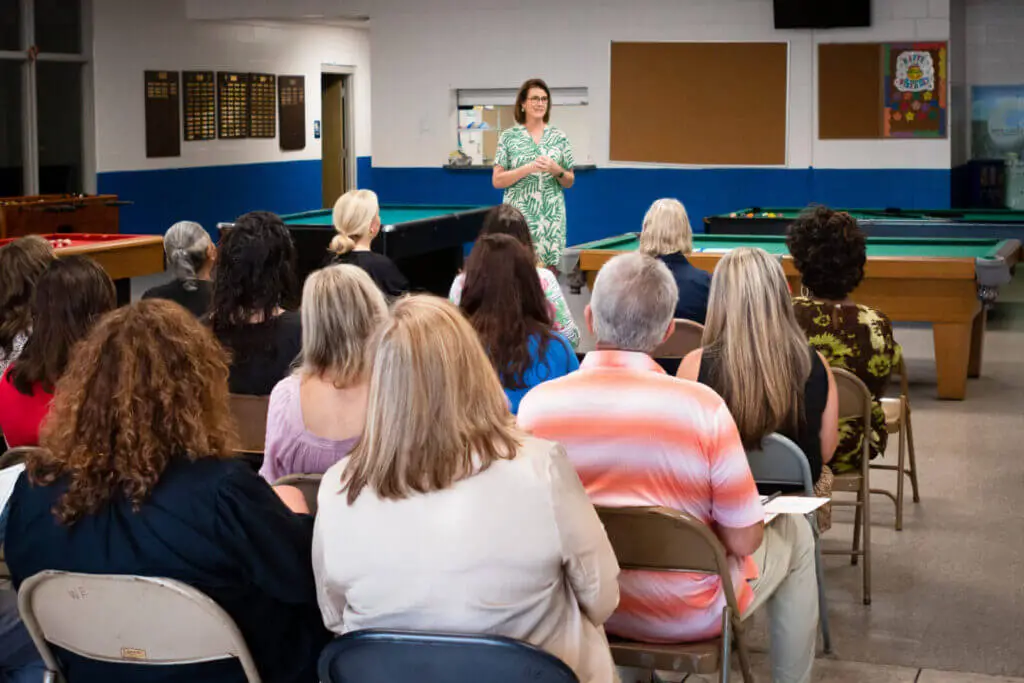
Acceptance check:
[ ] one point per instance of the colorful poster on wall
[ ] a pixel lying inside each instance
(915, 86)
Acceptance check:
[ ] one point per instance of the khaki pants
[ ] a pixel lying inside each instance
(788, 588)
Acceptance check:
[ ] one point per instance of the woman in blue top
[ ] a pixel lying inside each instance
(504, 302)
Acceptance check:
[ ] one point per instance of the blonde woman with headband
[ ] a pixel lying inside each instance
(357, 222)
(446, 517)
(316, 415)
(189, 255)
(667, 236)
(756, 357)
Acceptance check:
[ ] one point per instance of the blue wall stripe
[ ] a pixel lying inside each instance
(603, 202)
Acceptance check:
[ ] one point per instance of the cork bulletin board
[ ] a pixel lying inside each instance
(699, 103)
(882, 90)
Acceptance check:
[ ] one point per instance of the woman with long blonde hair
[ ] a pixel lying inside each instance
(317, 414)
(446, 517)
(758, 360)
(668, 237)
(357, 221)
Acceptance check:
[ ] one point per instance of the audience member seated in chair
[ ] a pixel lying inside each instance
(830, 250)
(254, 285)
(667, 236)
(317, 414)
(759, 362)
(505, 305)
(641, 438)
(70, 296)
(506, 219)
(139, 478)
(22, 263)
(189, 255)
(357, 222)
(447, 518)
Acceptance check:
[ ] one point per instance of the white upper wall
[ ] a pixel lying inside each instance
(995, 42)
(131, 36)
(423, 51)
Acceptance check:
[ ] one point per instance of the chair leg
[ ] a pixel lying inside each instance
(826, 633)
(726, 645)
(910, 453)
(741, 649)
(857, 517)
(901, 469)
(866, 523)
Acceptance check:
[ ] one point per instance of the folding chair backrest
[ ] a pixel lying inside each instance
(780, 462)
(686, 338)
(128, 619)
(855, 402)
(251, 417)
(374, 656)
(309, 484)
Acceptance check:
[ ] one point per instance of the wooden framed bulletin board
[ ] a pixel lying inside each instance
(882, 90)
(699, 103)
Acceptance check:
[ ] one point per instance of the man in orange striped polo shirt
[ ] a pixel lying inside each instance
(640, 437)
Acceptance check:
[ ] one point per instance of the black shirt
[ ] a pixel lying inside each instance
(379, 267)
(213, 524)
(694, 285)
(808, 433)
(262, 353)
(196, 300)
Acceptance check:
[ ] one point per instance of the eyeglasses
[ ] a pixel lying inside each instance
(537, 100)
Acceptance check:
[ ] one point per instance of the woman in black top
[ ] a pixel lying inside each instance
(139, 478)
(189, 254)
(667, 236)
(254, 287)
(357, 222)
(757, 358)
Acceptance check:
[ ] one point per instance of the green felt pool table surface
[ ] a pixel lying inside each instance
(920, 247)
(390, 214)
(964, 215)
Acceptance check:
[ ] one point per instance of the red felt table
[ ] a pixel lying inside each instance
(122, 256)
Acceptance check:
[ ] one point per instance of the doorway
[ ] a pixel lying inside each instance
(335, 89)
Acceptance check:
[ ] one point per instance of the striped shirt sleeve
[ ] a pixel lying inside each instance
(735, 502)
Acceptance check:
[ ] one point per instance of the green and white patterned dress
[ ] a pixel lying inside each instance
(539, 195)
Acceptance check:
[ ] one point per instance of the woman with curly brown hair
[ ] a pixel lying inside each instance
(139, 478)
(22, 263)
(70, 296)
(504, 303)
(830, 250)
(254, 292)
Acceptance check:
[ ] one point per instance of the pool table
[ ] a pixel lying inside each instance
(425, 241)
(945, 282)
(51, 213)
(122, 256)
(989, 223)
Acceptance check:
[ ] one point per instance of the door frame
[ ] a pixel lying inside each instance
(350, 74)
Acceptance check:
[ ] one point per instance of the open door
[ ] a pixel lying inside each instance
(335, 155)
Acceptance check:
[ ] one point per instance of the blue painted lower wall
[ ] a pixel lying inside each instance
(603, 202)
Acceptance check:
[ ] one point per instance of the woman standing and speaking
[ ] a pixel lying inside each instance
(533, 165)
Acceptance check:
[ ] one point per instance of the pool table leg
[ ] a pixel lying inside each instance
(977, 343)
(952, 358)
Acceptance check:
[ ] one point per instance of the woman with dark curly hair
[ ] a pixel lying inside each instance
(829, 250)
(139, 478)
(254, 288)
(70, 297)
(22, 263)
(504, 303)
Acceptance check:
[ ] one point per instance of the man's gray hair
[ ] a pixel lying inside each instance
(633, 303)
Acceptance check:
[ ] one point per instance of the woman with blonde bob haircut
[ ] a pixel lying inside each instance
(667, 236)
(758, 360)
(357, 221)
(446, 517)
(317, 414)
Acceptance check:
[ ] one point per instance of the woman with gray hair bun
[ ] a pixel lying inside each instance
(189, 254)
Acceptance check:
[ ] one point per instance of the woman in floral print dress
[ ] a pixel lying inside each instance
(533, 164)
(829, 250)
